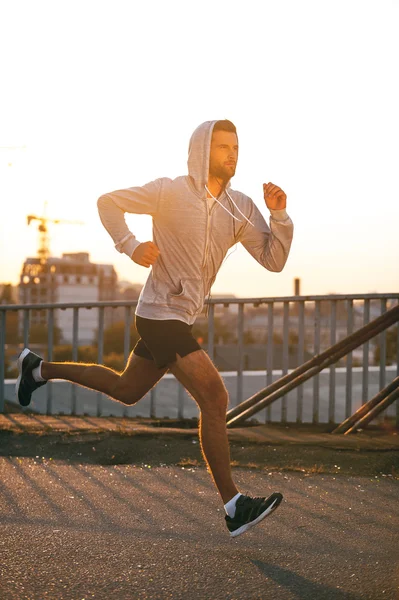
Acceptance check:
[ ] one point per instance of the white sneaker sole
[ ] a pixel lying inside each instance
(20, 360)
(247, 526)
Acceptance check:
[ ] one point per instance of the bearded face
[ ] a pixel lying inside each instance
(224, 155)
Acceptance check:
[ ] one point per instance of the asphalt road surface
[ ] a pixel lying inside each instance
(77, 531)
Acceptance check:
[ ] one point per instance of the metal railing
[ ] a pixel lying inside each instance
(312, 367)
(294, 325)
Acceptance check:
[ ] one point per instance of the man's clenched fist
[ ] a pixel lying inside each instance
(146, 254)
(274, 196)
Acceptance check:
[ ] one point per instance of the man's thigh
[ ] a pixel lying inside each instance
(197, 373)
(163, 340)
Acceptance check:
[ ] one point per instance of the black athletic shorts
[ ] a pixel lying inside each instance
(160, 341)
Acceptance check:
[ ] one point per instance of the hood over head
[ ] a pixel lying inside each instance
(199, 151)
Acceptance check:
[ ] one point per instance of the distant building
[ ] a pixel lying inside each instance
(8, 293)
(72, 278)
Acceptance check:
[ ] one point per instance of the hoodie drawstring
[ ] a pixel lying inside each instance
(241, 213)
(227, 210)
(234, 217)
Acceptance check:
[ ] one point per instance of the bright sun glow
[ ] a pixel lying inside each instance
(98, 96)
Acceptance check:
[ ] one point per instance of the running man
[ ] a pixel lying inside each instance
(196, 219)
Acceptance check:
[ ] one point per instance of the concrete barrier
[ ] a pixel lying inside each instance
(166, 393)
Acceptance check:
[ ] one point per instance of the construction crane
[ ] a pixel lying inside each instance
(44, 239)
(12, 148)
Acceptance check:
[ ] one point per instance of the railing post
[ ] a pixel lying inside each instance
(365, 373)
(349, 330)
(100, 354)
(383, 348)
(75, 331)
(153, 400)
(240, 353)
(316, 350)
(211, 331)
(301, 358)
(126, 337)
(180, 402)
(26, 327)
(126, 344)
(397, 369)
(383, 356)
(285, 357)
(50, 357)
(333, 339)
(3, 315)
(269, 356)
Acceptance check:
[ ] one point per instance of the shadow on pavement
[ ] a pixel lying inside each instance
(300, 586)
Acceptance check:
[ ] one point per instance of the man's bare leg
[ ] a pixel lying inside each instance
(202, 380)
(139, 376)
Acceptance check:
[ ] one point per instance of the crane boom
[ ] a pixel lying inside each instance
(44, 240)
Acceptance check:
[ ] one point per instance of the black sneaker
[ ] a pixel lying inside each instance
(27, 361)
(250, 511)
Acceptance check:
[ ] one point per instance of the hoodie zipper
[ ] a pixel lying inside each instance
(208, 227)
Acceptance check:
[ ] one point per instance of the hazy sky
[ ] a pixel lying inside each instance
(97, 96)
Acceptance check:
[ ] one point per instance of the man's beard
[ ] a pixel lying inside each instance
(220, 172)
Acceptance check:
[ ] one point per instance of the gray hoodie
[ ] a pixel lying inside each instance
(193, 233)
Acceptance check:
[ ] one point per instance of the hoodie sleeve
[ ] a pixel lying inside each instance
(113, 206)
(270, 246)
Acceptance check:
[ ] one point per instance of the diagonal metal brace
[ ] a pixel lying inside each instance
(312, 367)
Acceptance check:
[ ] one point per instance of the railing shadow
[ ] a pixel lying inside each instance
(42, 496)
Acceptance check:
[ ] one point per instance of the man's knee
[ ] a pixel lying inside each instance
(215, 399)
